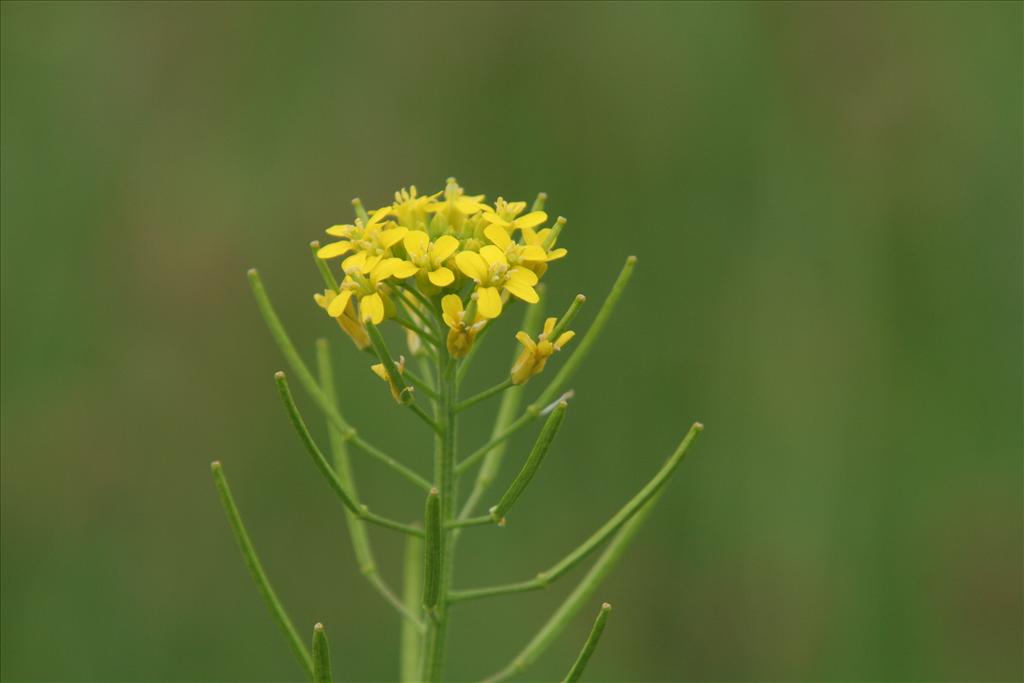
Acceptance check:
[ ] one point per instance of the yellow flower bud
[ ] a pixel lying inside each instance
(535, 354)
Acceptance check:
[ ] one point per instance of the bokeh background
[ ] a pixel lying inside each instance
(826, 202)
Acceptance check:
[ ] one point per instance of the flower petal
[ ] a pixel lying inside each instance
(549, 326)
(388, 238)
(556, 254)
(531, 220)
(334, 249)
(495, 219)
(468, 205)
(492, 255)
(523, 276)
(403, 269)
(488, 302)
(564, 339)
(372, 308)
(525, 340)
(472, 265)
(416, 241)
(339, 303)
(523, 291)
(378, 369)
(451, 307)
(444, 246)
(442, 277)
(371, 262)
(498, 235)
(354, 262)
(379, 215)
(340, 230)
(532, 252)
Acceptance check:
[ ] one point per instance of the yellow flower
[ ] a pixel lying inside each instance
(411, 208)
(457, 205)
(515, 253)
(373, 248)
(462, 332)
(396, 392)
(504, 215)
(540, 239)
(371, 289)
(535, 354)
(493, 273)
(429, 257)
(347, 320)
(352, 234)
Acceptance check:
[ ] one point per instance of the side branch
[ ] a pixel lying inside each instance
(356, 527)
(284, 343)
(575, 601)
(610, 527)
(256, 569)
(321, 463)
(588, 647)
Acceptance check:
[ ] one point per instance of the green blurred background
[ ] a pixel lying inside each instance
(826, 201)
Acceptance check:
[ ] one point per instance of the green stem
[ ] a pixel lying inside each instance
(420, 384)
(572, 604)
(321, 655)
(308, 383)
(588, 647)
(410, 325)
(610, 527)
(484, 395)
(412, 638)
(470, 521)
(346, 496)
(256, 569)
(356, 526)
(428, 313)
(444, 466)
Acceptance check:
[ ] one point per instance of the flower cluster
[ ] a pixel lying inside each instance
(448, 254)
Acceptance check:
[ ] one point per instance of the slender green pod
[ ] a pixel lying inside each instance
(361, 214)
(532, 464)
(566, 319)
(307, 381)
(432, 549)
(321, 656)
(259, 576)
(579, 354)
(347, 498)
(588, 647)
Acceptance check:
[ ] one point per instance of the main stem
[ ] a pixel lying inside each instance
(444, 475)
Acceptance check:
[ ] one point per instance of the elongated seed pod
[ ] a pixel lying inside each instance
(540, 449)
(432, 549)
(321, 656)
